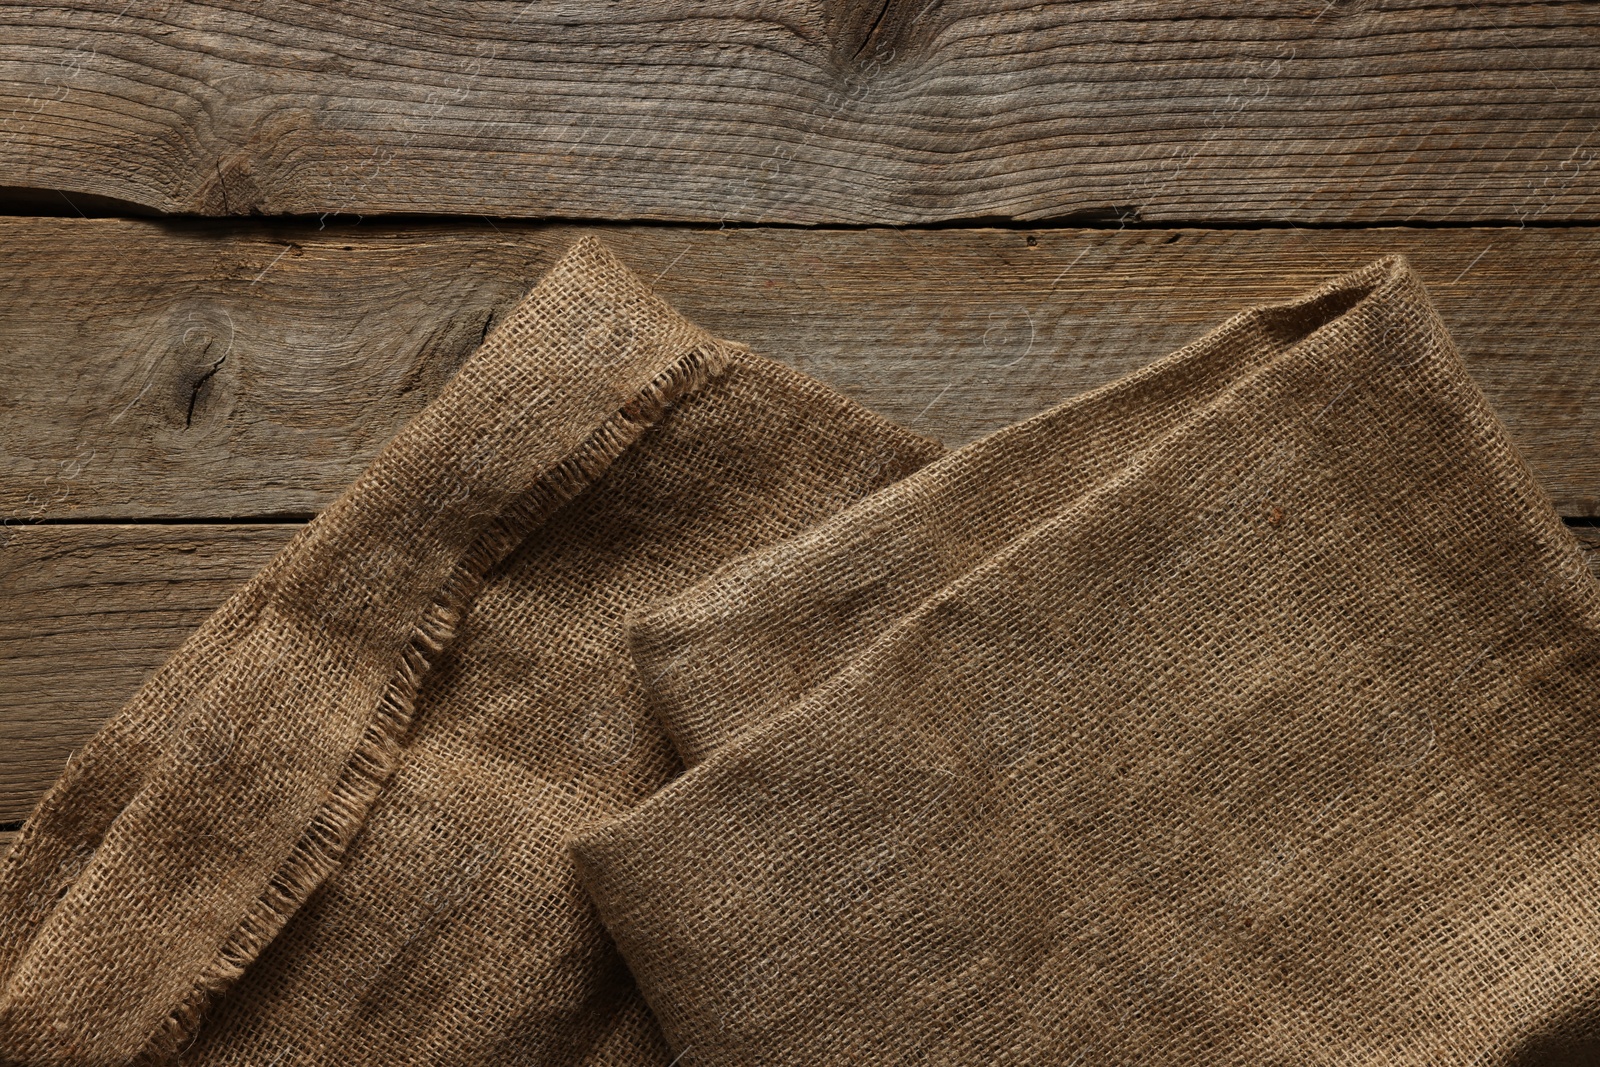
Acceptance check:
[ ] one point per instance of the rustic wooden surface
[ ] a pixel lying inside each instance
(162, 370)
(889, 111)
(176, 394)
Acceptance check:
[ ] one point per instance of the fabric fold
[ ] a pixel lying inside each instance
(1241, 712)
(766, 628)
(330, 807)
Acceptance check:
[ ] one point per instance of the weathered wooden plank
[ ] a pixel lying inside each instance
(86, 612)
(200, 370)
(889, 111)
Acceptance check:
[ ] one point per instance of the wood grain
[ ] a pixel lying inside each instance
(846, 111)
(195, 370)
(88, 612)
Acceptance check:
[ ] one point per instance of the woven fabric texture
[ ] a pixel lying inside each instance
(1243, 712)
(329, 830)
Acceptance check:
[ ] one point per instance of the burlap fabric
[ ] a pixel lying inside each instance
(1255, 724)
(330, 829)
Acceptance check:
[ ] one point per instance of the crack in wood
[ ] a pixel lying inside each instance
(194, 391)
(872, 31)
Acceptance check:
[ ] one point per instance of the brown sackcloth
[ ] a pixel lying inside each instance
(1243, 712)
(330, 829)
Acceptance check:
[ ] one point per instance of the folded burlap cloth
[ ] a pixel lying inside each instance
(343, 800)
(1245, 711)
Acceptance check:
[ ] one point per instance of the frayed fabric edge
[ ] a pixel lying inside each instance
(322, 846)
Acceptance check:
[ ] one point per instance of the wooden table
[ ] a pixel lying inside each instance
(247, 240)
